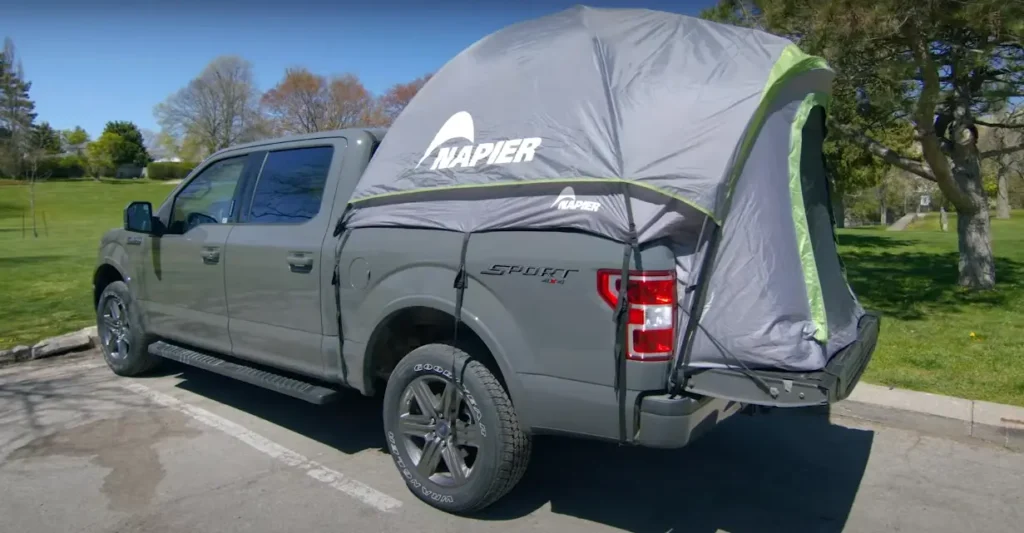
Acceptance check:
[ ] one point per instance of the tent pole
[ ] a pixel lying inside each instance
(682, 360)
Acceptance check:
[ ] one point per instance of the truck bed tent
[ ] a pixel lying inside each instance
(633, 123)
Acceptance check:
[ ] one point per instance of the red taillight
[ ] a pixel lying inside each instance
(652, 297)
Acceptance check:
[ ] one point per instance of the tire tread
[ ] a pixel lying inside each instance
(513, 457)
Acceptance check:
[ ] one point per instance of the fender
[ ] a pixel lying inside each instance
(482, 312)
(113, 254)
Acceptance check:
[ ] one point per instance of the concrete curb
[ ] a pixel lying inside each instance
(75, 341)
(932, 413)
(945, 416)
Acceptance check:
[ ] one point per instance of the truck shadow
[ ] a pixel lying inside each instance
(785, 471)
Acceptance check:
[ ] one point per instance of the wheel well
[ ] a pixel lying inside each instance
(105, 275)
(405, 330)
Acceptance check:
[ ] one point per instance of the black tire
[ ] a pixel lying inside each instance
(504, 448)
(136, 359)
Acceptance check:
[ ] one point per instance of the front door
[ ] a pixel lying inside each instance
(183, 296)
(275, 271)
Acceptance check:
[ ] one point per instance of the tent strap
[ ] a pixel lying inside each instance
(460, 284)
(336, 281)
(622, 313)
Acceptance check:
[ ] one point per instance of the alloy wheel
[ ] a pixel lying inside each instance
(441, 434)
(114, 328)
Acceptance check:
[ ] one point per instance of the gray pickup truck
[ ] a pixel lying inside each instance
(525, 272)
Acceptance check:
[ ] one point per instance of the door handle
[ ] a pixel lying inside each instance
(300, 262)
(210, 255)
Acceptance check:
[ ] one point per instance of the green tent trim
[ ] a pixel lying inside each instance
(815, 297)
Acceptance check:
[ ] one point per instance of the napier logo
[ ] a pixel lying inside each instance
(567, 201)
(460, 126)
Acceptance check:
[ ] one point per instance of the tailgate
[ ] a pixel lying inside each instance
(793, 389)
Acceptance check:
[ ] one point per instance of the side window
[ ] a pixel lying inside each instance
(291, 186)
(208, 198)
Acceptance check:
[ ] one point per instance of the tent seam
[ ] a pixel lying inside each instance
(588, 179)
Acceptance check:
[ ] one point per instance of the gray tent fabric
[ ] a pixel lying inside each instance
(650, 97)
(563, 121)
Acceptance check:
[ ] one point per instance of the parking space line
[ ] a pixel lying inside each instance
(356, 489)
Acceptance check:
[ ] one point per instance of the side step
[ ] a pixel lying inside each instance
(254, 376)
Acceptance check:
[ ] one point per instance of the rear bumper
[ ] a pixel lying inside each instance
(794, 389)
(667, 422)
(712, 395)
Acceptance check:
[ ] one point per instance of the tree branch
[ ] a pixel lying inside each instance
(885, 153)
(1001, 151)
(1019, 126)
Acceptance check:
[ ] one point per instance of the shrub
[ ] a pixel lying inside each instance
(169, 170)
(61, 167)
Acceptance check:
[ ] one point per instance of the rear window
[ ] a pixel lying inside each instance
(291, 186)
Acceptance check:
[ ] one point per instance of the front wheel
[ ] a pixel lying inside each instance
(460, 448)
(123, 339)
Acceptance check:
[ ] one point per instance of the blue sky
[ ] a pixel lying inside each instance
(92, 61)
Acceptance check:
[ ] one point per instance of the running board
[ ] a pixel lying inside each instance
(251, 375)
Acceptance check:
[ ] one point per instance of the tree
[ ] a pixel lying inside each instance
(101, 152)
(1007, 164)
(45, 139)
(929, 68)
(41, 143)
(17, 111)
(150, 140)
(75, 139)
(130, 149)
(218, 108)
(394, 100)
(303, 102)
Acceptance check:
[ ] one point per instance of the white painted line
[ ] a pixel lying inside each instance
(313, 469)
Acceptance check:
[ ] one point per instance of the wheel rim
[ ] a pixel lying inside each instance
(440, 432)
(114, 328)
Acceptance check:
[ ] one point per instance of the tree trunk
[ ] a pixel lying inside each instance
(977, 264)
(943, 219)
(1003, 195)
(32, 205)
(839, 210)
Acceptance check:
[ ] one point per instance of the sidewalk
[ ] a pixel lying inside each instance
(932, 413)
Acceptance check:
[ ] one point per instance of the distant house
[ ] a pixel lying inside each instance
(75, 149)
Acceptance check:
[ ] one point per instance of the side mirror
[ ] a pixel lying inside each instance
(138, 217)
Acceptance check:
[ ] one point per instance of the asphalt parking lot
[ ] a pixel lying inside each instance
(186, 451)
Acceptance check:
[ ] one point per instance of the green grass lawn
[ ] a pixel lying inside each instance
(936, 337)
(910, 277)
(46, 282)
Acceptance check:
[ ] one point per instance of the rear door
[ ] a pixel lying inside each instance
(273, 261)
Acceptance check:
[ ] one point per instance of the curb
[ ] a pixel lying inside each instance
(75, 341)
(945, 416)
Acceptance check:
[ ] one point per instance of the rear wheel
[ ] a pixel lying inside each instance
(123, 340)
(459, 448)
